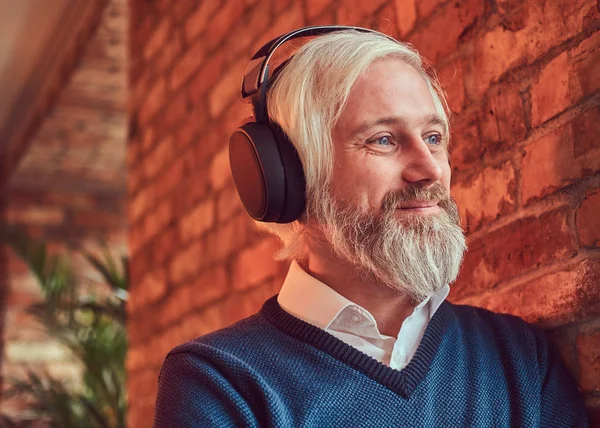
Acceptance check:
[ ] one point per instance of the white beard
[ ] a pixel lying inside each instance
(415, 255)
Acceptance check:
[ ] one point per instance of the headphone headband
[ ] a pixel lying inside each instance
(256, 76)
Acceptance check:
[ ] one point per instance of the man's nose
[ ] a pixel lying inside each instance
(420, 166)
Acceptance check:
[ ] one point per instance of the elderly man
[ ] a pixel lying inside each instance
(347, 162)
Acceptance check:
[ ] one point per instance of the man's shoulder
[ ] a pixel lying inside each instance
(501, 329)
(243, 334)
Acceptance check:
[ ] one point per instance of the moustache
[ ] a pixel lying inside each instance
(436, 192)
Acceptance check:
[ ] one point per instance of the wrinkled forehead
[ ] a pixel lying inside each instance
(390, 88)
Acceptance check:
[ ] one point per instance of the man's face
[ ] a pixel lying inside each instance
(389, 137)
(388, 211)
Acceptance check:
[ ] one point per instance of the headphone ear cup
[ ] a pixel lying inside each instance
(258, 171)
(295, 180)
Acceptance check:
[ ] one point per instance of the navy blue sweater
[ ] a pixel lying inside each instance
(473, 368)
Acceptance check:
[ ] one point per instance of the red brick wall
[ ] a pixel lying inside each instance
(524, 83)
(66, 185)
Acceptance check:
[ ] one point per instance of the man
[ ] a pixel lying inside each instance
(361, 334)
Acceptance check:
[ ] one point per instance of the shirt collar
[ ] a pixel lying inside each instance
(309, 299)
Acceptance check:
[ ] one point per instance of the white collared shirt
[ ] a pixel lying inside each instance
(307, 298)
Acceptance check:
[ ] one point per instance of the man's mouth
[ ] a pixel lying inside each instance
(420, 206)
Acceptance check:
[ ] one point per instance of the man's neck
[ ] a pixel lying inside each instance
(388, 307)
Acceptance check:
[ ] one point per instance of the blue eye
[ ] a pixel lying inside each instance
(383, 141)
(434, 139)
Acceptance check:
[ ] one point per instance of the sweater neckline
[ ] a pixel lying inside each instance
(403, 382)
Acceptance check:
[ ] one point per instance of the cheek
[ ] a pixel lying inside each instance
(363, 181)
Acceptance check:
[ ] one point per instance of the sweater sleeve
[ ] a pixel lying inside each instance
(562, 403)
(193, 393)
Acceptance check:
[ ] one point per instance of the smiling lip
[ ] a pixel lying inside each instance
(420, 206)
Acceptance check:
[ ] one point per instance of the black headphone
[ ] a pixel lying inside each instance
(266, 168)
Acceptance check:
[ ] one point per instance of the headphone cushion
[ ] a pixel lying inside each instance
(258, 171)
(295, 182)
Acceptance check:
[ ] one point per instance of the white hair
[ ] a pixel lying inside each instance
(308, 96)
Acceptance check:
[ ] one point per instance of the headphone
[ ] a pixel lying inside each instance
(265, 165)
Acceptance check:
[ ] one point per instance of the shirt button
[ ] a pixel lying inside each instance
(355, 318)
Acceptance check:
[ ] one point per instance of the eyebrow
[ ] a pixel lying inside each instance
(430, 119)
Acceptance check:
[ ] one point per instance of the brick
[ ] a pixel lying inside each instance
(485, 197)
(197, 222)
(587, 220)
(139, 264)
(207, 77)
(354, 12)
(406, 15)
(502, 119)
(228, 204)
(506, 253)
(196, 23)
(136, 238)
(141, 412)
(384, 20)
(148, 139)
(426, 7)
(171, 178)
(228, 239)
(171, 50)
(451, 78)
(184, 8)
(165, 245)
(554, 299)
(254, 22)
(157, 219)
(221, 23)
(96, 220)
(588, 347)
(515, 14)
(143, 383)
(457, 17)
(157, 39)
(188, 132)
(466, 149)
(561, 157)
(186, 263)
(210, 286)
(177, 110)
(178, 304)
(314, 8)
(42, 216)
(244, 304)
(152, 287)
(227, 89)
(255, 264)
(191, 190)
(136, 358)
(220, 171)
(163, 6)
(140, 204)
(140, 88)
(235, 116)
(500, 49)
(566, 80)
(187, 65)
(153, 102)
(291, 19)
(158, 158)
